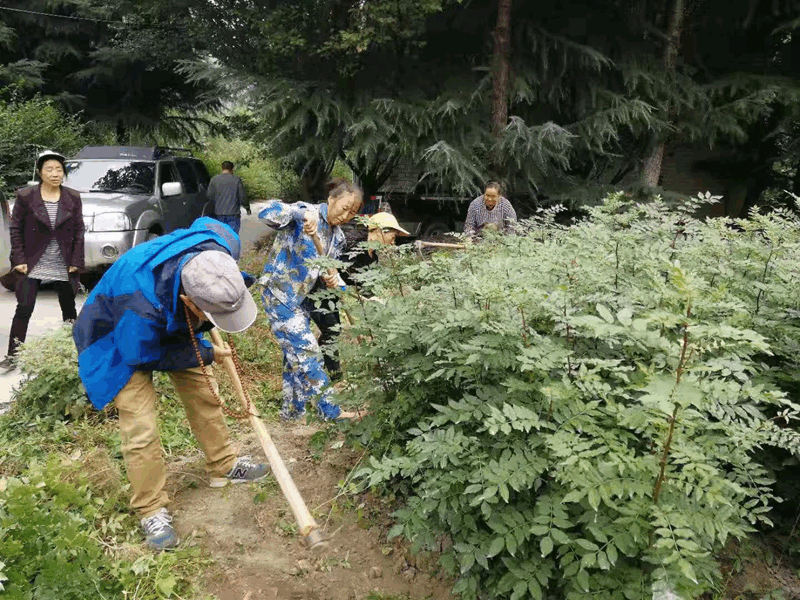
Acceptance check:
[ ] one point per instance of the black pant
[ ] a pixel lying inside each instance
(27, 290)
(328, 322)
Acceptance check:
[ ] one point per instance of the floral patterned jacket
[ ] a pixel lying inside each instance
(287, 276)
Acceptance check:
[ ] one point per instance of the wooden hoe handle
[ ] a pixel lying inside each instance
(440, 245)
(311, 532)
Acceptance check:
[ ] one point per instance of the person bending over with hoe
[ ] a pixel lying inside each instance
(288, 279)
(146, 314)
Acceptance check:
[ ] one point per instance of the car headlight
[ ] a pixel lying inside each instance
(111, 222)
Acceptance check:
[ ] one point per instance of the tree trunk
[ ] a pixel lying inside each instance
(501, 68)
(651, 168)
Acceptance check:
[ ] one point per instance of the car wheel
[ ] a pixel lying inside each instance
(435, 229)
(151, 235)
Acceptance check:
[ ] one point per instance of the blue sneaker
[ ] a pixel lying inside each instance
(244, 470)
(158, 531)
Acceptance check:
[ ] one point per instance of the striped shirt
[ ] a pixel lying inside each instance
(51, 267)
(478, 215)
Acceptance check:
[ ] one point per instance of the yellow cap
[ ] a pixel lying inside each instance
(384, 220)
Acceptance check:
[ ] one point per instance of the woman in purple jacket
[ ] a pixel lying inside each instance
(46, 245)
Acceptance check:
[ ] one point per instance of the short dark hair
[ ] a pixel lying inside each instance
(227, 166)
(494, 185)
(340, 186)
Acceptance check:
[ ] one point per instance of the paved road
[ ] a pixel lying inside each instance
(47, 314)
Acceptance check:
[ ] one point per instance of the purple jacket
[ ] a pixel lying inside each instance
(31, 230)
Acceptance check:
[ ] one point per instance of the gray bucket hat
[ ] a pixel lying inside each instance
(212, 281)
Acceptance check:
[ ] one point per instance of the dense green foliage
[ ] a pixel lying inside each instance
(316, 70)
(579, 412)
(26, 128)
(53, 389)
(47, 540)
(588, 91)
(116, 61)
(59, 539)
(263, 176)
(378, 83)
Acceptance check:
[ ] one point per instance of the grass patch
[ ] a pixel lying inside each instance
(64, 533)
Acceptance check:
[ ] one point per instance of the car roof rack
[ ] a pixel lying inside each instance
(167, 151)
(131, 152)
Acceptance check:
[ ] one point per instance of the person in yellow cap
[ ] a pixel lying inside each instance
(383, 228)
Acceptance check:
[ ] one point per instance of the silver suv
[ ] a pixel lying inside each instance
(131, 195)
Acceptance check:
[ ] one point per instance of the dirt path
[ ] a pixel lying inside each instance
(250, 531)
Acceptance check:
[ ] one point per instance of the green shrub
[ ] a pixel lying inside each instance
(26, 128)
(579, 412)
(47, 540)
(59, 540)
(263, 175)
(52, 388)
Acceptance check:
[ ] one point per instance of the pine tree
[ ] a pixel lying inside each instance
(589, 97)
(111, 62)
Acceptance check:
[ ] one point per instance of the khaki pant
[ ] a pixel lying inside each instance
(141, 441)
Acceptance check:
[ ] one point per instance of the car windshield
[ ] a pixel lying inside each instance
(111, 176)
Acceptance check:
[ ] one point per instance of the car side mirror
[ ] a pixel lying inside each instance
(172, 188)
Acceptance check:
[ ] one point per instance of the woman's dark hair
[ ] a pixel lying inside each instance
(339, 186)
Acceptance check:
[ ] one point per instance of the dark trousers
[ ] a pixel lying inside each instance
(328, 323)
(27, 290)
(232, 221)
